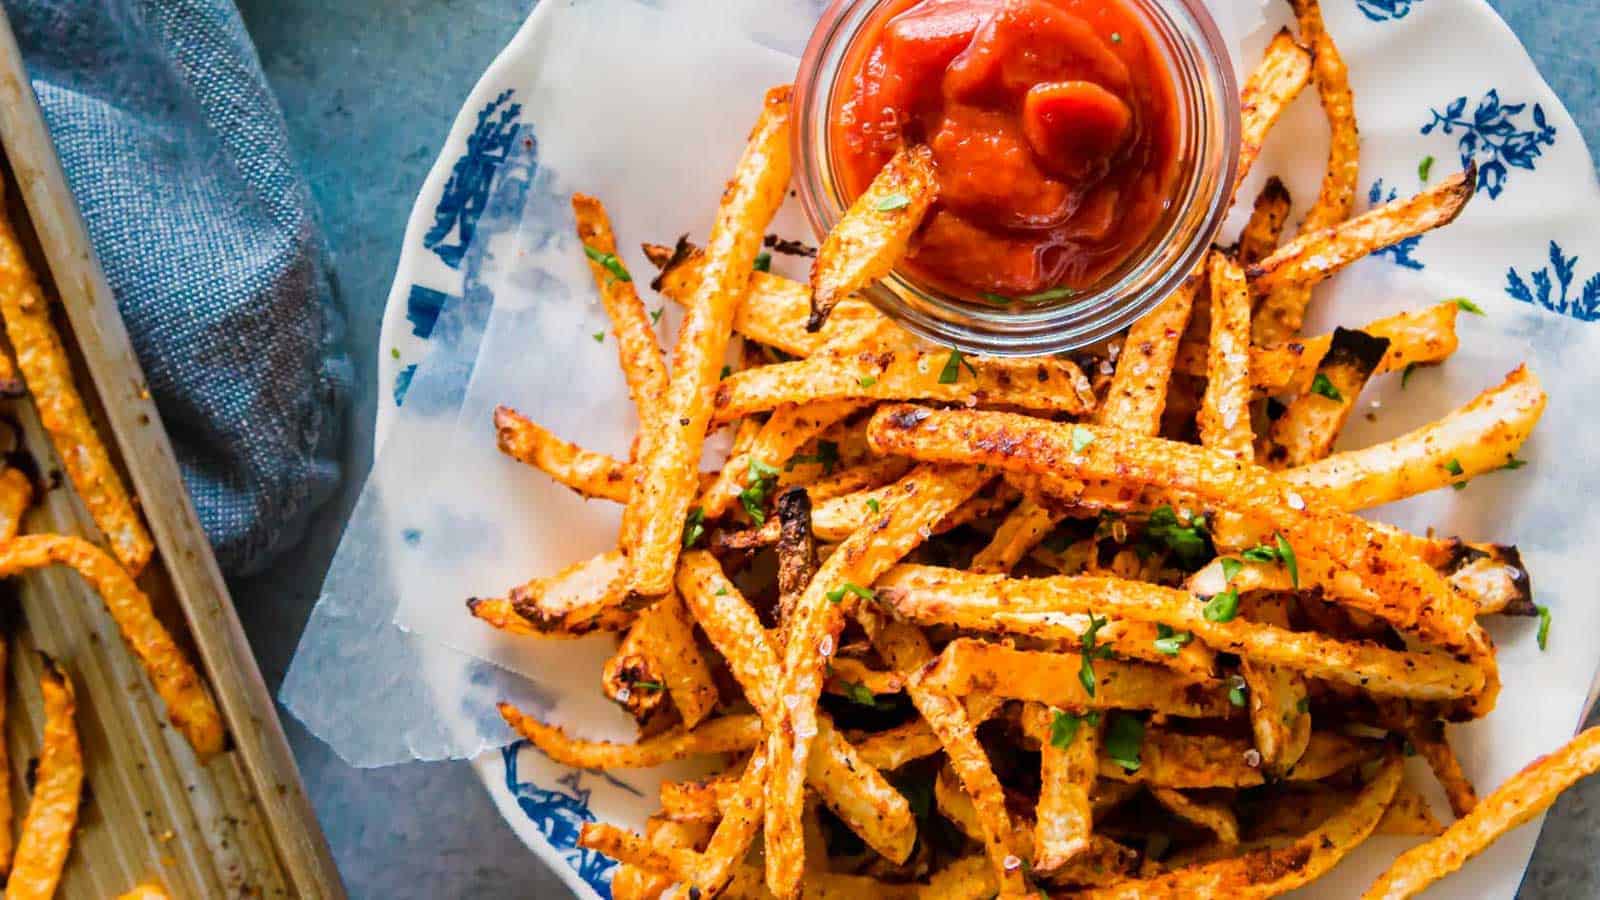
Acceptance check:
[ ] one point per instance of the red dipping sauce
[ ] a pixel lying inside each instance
(1053, 126)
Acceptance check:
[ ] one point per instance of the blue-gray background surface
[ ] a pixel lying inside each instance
(369, 88)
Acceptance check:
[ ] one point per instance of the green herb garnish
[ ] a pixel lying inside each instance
(1405, 376)
(1468, 306)
(1187, 540)
(1091, 651)
(893, 202)
(837, 594)
(1321, 385)
(694, 527)
(1236, 690)
(609, 262)
(1222, 607)
(599, 337)
(1424, 167)
(858, 693)
(1169, 642)
(1123, 739)
(952, 368)
(872, 504)
(763, 262)
(827, 456)
(1544, 626)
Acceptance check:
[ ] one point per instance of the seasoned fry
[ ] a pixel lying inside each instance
(189, 704)
(846, 782)
(1307, 429)
(593, 475)
(727, 734)
(44, 364)
(57, 789)
(1067, 771)
(1496, 581)
(797, 550)
(790, 428)
(1270, 871)
(1139, 387)
(5, 766)
(1355, 563)
(630, 680)
(1024, 527)
(1283, 310)
(1039, 384)
(969, 665)
(587, 596)
(669, 455)
(907, 650)
(661, 645)
(1522, 797)
(1431, 744)
(872, 236)
(16, 495)
(1225, 408)
(929, 595)
(1480, 437)
(638, 351)
(1317, 254)
(1279, 704)
(497, 612)
(922, 498)
(1265, 227)
(1218, 818)
(1174, 759)
(741, 818)
(633, 883)
(1422, 337)
(1281, 75)
(697, 801)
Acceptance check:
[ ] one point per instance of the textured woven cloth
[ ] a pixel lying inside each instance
(176, 150)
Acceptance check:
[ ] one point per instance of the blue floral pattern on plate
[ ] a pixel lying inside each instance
(1493, 137)
(1385, 10)
(1551, 287)
(559, 815)
(468, 188)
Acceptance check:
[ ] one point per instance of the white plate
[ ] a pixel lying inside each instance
(1443, 78)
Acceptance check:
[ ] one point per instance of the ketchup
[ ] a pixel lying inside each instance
(1053, 127)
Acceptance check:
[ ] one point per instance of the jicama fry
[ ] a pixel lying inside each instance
(1431, 744)
(727, 734)
(1497, 582)
(1264, 228)
(1283, 311)
(1279, 703)
(1315, 255)
(929, 595)
(942, 375)
(922, 498)
(189, 704)
(852, 787)
(1415, 338)
(44, 364)
(1139, 387)
(1480, 437)
(1358, 565)
(790, 427)
(1067, 771)
(969, 665)
(638, 351)
(741, 819)
(873, 234)
(1307, 429)
(634, 883)
(1022, 530)
(498, 613)
(593, 475)
(1282, 74)
(630, 679)
(16, 495)
(1225, 409)
(797, 551)
(907, 651)
(5, 767)
(697, 801)
(1217, 818)
(1173, 759)
(662, 637)
(587, 596)
(57, 789)
(669, 456)
(1270, 871)
(1522, 797)
(1298, 806)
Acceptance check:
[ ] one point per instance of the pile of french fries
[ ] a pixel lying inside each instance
(33, 865)
(1099, 627)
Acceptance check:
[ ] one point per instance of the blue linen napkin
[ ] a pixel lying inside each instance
(176, 150)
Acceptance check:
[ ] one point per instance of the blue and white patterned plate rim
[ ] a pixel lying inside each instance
(1503, 134)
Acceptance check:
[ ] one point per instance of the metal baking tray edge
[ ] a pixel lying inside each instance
(237, 825)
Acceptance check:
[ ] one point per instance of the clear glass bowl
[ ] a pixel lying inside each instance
(1208, 153)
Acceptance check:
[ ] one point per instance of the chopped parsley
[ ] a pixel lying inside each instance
(1514, 464)
(1544, 626)
(1169, 642)
(1230, 568)
(760, 481)
(1468, 306)
(1405, 376)
(1236, 690)
(609, 262)
(763, 262)
(868, 381)
(652, 686)
(996, 299)
(1057, 293)
(1091, 652)
(1303, 705)
(858, 693)
(1222, 607)
(893, 202)
(1424, 168)
(1065, 727)
(872, 504)
(827, 456)
(655, 315)
(694, 527)
(837, 594)
(721, 591)
(952, 368)
(1286, 553)
(1123, 739)
(599, 337)
(1188, 541)
(394, 352)
(726, 371)
(1321, 385)
(1081, 438)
